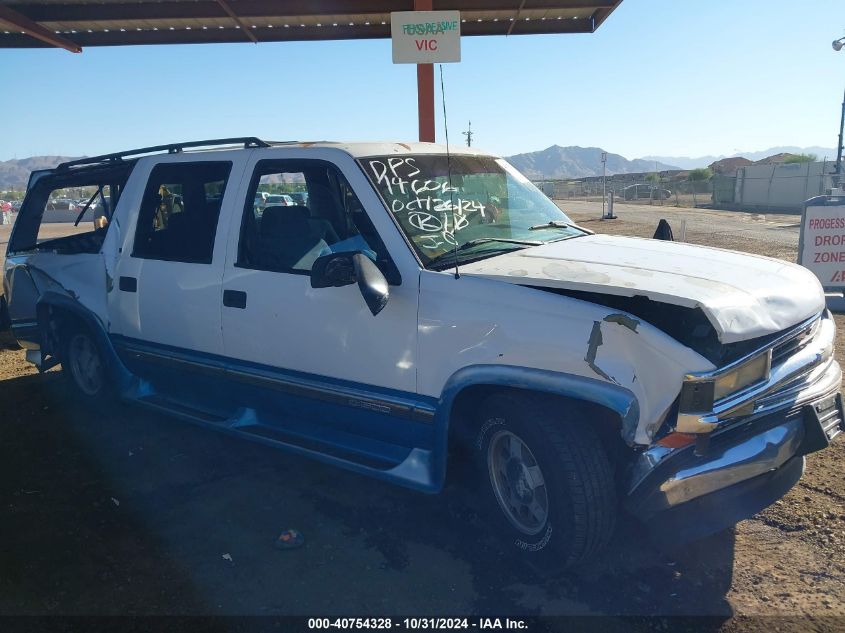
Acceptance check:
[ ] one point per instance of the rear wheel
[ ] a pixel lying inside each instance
(84, 366)
(548, 482)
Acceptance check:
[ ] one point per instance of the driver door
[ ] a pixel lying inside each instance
(276, 324)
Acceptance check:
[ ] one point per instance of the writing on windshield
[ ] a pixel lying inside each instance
(441, 202)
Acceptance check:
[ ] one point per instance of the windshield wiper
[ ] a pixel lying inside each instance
(554, 224)
(477, 242)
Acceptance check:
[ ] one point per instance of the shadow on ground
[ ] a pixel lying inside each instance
(116, 510)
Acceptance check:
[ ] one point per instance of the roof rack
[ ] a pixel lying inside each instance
(173, 148)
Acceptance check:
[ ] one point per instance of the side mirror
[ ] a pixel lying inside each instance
(333, 271)
(343, 269)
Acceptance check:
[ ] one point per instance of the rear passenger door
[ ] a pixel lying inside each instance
(166, 300)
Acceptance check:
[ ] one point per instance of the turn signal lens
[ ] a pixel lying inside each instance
(677, 440)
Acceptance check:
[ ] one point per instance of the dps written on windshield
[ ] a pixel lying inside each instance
(446, 203)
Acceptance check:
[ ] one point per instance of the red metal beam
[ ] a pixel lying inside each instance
(37, 31)
(225, 6)
(425, 88)
(425, 101)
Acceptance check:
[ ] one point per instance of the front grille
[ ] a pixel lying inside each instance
(789, 347)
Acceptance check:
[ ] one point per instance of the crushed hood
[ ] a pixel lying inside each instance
(743, 296)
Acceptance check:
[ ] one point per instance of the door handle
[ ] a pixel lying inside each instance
(128, 284)
(234, 299)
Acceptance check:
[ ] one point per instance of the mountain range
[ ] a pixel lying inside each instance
(14, 174)
(558, 162)
(685, 162)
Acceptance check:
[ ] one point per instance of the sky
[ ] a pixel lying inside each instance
(659, 77)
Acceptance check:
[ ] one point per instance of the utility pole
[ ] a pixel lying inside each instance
(603, 182)
(468, 134)
(838, 45)
(839, 147)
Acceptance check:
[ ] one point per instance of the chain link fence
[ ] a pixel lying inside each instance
(664, 192)
(776, 188)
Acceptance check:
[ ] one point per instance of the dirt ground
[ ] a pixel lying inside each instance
(117, 510)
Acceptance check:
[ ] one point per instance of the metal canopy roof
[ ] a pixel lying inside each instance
(77, 23)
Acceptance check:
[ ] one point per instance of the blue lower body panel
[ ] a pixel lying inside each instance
(383, 433)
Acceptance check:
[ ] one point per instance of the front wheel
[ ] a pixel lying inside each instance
(549, 484)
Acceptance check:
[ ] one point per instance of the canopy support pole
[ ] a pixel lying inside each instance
(425, 88)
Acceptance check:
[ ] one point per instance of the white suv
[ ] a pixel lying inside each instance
(426, 300)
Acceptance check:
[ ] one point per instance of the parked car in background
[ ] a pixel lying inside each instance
(638, 192)
(60, 204)
(300, 198)
(263, 199)
(280, 200)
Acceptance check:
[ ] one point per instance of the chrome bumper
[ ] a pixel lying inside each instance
(780, 429)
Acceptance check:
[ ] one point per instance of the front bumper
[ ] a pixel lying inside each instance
(729, 478)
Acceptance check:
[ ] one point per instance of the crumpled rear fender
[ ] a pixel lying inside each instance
(55, 305)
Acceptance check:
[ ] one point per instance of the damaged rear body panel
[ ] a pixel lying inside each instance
(81, 279)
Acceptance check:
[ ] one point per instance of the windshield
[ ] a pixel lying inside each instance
(483, 208)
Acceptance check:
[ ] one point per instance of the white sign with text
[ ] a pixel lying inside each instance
(823, 242)
(426, 37)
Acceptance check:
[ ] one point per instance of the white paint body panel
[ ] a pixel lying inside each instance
(177, 303)
(471, 320)
(325, 331)
(743, 296)
(81, 276)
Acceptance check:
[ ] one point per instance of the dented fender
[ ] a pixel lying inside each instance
(472, 321)
(614, 397)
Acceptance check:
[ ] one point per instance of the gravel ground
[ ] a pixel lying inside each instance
(121, 511)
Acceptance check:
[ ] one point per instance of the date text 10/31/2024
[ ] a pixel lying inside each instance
(482, 624)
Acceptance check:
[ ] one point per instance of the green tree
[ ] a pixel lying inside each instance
(700, 174)
(800, 158)
(653, 177)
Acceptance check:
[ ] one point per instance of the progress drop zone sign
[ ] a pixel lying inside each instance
(822, 248)
(426, 37)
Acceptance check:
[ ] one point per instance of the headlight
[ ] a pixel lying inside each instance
(699, 395)
(754, 371)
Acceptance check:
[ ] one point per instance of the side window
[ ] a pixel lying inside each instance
(179, 212)
(300, 210)
(74, 210)
(68, 211)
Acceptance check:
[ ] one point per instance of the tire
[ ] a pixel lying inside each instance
(547, 481)
(84, 366)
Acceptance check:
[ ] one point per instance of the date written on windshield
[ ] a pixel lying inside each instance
(432, 207)
(480, 624)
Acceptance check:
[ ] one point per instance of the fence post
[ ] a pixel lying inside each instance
(807, 181)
